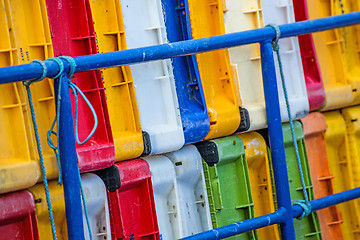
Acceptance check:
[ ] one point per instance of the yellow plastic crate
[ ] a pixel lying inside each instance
(351, 47)
(260, 180)
(32, 35)
(42, 214)
(120, 93)
(330, 50)
(207, 20)
(18, 168)
(351, 116)
(341, 166)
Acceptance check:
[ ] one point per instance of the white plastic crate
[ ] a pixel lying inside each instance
(97, 207)
(246, 61)
(181, 201)
(154, 81)
(166, 196)
(191, 188)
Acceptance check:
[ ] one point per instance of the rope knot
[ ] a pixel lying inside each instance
(60, 75)
(43, 75)
(306, 208)
(274, 42)
(51, 131)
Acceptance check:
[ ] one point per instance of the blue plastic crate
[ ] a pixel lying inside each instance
(194, 115)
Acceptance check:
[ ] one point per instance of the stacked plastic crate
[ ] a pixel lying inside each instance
(144, 183)
(330, 136)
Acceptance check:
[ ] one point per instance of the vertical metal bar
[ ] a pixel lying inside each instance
(69, 164)
(276, 139)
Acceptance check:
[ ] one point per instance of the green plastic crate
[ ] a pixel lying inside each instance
(308, 228)
(227, 182)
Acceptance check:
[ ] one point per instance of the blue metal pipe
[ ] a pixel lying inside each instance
(69, 164)
(176, 49)
(276, 139)
(240, 227)
(328, 201)
(273, 218)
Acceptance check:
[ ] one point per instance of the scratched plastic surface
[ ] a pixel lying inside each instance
(165, 196)
(330, 49)
(72, 34)
(341, 166)
(191, 187)
(352, 48)
(96, 202)
(17, 216)
(313, 80)
(314, 126)
(118, 82)
(246, 61)
(35, 41)
(282, 12)
(132, 208)
(194, 115)
(154, 81)
(351, 116)
(260, 180)
(18, 167)
(228, 182)
(181, 203)
(206, 19)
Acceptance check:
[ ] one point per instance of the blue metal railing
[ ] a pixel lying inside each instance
(284, 216)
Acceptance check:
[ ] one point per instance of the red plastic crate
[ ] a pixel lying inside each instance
(132, 206)
(73, 34)
(18, 217)
(314, 84)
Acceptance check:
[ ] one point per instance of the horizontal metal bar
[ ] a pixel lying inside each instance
(328, 201)
(241, 227)
(274, 218)
(182, 48)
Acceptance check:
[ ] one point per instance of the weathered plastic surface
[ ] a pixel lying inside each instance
(154, 81)
(341, 166)
(18, 167)
(33, 39)
(181, 201)
(206, 20)
(166, 196)
(260, 180)
(351, 116)
(17, 216)
(118, 82)
(97, 207)
(330, 47)
(308, 227)
(282, 12)
(352, 47)
(96, 203)
(314, 84)
(330, 219)
(132, 208)
(194, 115)
(227, 182)
(246, 61)
(191, 188)
(72, 34)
